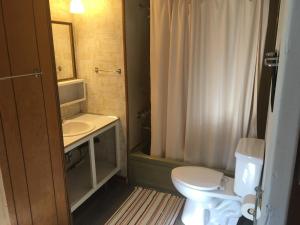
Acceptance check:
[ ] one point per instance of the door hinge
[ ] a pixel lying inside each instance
(272, 61)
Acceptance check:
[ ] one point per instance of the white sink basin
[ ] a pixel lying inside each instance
(73, 128)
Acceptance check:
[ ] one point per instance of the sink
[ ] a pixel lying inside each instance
(73, 128)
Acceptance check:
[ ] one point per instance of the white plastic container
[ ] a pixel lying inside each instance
(249, 161)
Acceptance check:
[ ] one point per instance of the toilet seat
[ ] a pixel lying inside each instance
(200, 182)
(199, 178)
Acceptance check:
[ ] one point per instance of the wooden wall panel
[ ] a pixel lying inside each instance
(4, 62)
(22, 47)
(49, 82)
(21, 37)
(34, 136)
(11, 157)
(13, 150)
(29, 111)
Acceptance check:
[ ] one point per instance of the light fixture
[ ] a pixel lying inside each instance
(76, 6)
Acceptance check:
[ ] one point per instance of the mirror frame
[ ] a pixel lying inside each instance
(72, 48)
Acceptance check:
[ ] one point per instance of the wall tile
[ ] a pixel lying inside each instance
(98, 37)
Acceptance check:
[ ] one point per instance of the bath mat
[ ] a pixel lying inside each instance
(147, 207)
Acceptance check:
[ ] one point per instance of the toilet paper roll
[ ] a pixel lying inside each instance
(248, 207)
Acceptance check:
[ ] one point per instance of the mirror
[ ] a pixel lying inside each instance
(64, 50)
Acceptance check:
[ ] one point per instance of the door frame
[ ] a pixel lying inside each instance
(284, 122)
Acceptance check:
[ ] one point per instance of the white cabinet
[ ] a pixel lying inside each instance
(91, 159)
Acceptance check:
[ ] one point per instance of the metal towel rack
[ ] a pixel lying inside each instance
(36, 74)
(118, 71)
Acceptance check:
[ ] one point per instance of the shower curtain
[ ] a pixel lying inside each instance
(206, 58)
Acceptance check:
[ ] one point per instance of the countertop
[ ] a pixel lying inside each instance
(99, 121)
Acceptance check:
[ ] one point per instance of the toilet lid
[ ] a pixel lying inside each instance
(199, 178)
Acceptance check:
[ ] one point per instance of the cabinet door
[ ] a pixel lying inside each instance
(33, 149)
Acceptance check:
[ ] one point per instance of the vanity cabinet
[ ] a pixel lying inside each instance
(91, 158)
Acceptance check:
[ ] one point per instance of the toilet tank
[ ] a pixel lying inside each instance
(249, 161)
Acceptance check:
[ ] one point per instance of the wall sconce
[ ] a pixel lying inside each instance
(76, 6)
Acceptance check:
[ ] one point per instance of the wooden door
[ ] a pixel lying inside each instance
(31, 147)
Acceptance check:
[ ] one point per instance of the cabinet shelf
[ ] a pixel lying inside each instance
(71, 92)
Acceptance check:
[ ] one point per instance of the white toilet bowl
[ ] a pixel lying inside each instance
(214, 199)
(206, 191)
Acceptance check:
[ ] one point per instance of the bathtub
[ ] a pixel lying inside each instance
(154, 172)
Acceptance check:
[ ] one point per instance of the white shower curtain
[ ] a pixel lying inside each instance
(206, 57)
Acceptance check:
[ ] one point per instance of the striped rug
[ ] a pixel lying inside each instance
(147, 207)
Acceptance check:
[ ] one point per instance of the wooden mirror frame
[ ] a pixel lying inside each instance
(72, 48)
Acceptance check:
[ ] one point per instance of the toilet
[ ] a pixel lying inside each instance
(213, 198)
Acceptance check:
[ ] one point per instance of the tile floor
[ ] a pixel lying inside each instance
(99, 207)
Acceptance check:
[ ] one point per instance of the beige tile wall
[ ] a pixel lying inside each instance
(98, 34)
(60, 10)
(69, 111)
(4, 214)
(99, 43)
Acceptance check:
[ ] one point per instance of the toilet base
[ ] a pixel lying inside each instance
(194, 213)
(214, 212)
